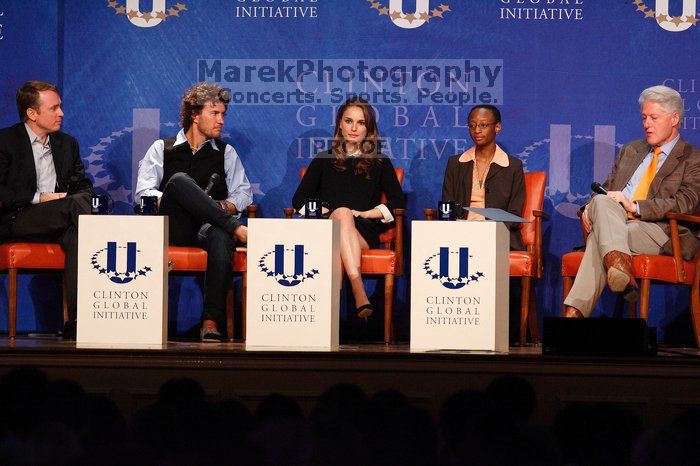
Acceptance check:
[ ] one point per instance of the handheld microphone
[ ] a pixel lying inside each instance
(212, 180)
(598, 188)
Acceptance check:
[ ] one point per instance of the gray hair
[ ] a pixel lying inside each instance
(668, 98)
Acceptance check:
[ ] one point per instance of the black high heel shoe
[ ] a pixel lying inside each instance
(365, 311)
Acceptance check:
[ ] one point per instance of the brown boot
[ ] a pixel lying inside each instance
(572, 313)
(620, 275)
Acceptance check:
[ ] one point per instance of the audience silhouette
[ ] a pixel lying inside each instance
(45, 422)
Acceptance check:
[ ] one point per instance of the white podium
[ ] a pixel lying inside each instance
(459, 286)
(122, 281)
(293, 284)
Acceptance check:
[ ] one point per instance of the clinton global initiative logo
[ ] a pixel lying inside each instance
(437, 267)
(668, 22)
(572, 160)
(158, 13)
(422, 14)
(272, 264)
(104, 261)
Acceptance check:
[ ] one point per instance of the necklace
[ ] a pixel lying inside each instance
(481, 175)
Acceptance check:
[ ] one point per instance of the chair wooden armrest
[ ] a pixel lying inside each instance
(251, 211)
(430, 214)
(399, 215)
(683, 217)
(288, 212)
(673, 219)
(537, 247)
(540, 213)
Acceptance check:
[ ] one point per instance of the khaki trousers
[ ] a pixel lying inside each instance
(612, 231)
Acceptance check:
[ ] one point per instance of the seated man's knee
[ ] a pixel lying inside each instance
(178, 178)
(600, 198)
(600, 201)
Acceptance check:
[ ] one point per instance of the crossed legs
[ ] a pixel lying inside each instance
(351, 245)
(613, 233)
(194, 218)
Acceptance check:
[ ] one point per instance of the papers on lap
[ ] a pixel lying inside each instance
(497, 215)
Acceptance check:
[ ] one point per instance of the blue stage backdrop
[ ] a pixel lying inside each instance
(565, 73)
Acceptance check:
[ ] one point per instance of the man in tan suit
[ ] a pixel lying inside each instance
(651, 178)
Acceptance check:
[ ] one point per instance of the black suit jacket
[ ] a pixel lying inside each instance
(504, 186)
(18, 172)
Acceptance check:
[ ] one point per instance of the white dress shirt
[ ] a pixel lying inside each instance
(150, 175)
(43, 162)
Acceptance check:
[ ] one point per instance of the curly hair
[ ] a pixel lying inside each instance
(196, 97)
(370, 146)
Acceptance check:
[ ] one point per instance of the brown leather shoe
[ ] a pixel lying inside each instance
(572, 313)
(620, 275)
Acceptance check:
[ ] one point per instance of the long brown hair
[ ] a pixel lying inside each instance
(370, 147)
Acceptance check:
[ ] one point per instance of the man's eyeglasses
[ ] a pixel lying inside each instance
(482, 126)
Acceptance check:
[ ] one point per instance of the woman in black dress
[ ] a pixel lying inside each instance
(351, 178)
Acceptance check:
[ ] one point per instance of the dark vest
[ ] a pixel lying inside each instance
(200, 166)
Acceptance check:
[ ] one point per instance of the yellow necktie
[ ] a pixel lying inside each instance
(642, 189)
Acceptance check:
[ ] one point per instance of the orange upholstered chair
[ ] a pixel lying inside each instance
(42, 256)
(193, 259)
(650, 268)
(527, 264)
(387, 261)
(28, 256)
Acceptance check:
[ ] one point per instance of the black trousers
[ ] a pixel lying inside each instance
(197, 220)
(56, 221)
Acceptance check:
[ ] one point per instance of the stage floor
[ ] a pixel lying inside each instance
(656, 388)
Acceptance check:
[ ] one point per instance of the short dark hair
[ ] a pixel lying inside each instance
(197, 96)
(491, 108)
(28, 96)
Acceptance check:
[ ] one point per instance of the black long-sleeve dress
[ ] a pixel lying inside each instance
(346, 189)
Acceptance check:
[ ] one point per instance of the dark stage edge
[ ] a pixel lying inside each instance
(655, 388)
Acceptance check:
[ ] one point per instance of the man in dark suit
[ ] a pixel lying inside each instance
(43, 187)
(650, 178)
